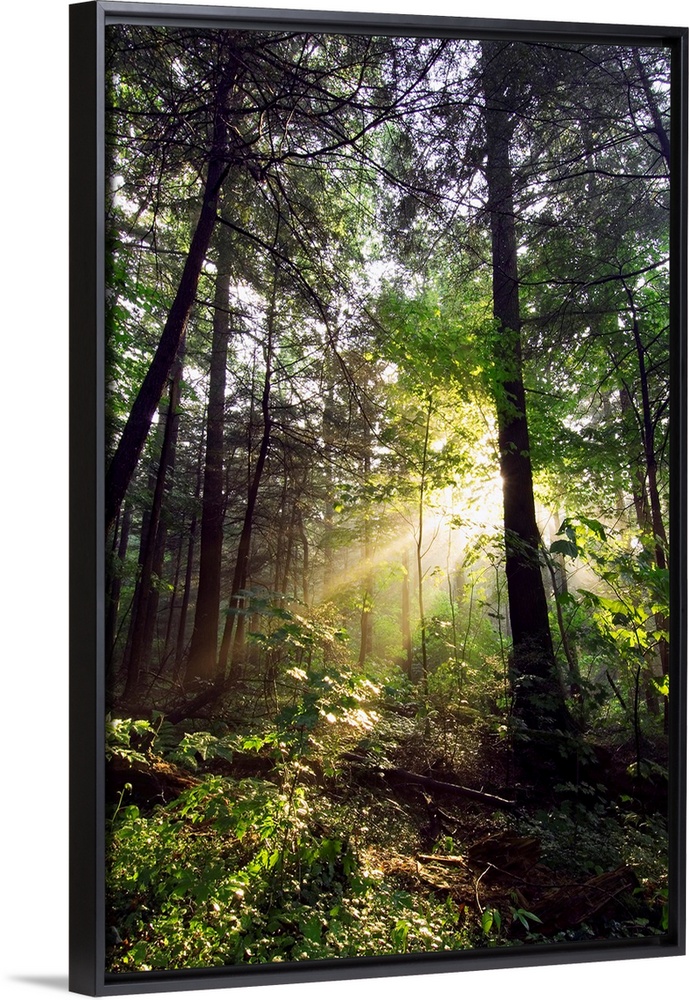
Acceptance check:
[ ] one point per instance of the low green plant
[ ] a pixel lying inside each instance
(234, 871)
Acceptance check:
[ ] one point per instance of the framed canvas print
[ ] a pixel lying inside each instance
(378, 599)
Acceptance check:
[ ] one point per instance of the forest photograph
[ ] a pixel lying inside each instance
(388, 361)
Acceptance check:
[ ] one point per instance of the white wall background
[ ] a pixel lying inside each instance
(33, 523)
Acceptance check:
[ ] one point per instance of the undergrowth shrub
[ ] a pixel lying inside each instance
(240, 871)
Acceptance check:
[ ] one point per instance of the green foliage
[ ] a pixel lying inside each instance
(200, 747)
(233, 872)
(525, 917)
(298, 641)
(128, 738)
(491, 920)
(623, 619)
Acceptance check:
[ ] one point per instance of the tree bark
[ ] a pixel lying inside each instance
(142, 621)
(329, 433)
(167, 642)
(539, 700)
(204, 640)
(406, 659)
(648, 438)
(656, 517)
(305, 564)
(233, 633)
(138, 424)
(366, 640)
(114, 585)
(419, 550)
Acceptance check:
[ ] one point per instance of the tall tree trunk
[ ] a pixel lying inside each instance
(138, 424)
(648, 439)
(328, 432)
(642, 507)
(453, 609)
(656, 665)
(144, 540)
(172, 606)
(656, 516)
(420, 552)
(406, 662)
(539, 699)
(142, 629)
(305, 564)
(366, 643)
(204, 640)
(180, 643)
(233, 633)
(114, 585)
(150, 620)
(281, 529)
(288, 551)
(160, 545)
(558, 577)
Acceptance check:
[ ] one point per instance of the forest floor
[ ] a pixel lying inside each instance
(411, 835)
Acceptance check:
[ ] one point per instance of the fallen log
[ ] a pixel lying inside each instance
(504, 853)
(437, 884)
(153, 781)
(571, 905)
(443, 859)
(398, 774)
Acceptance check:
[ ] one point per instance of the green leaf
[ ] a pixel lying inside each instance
(565, 548)
(312, 928)
(662, 685)
(594, 526)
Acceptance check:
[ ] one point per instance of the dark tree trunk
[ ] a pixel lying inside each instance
(180, 645)
(656, 517)
(138, 424)
(144, 534)
(160, 543)
(642, 507)
(281, 530)
(539, 699)
(233, 633)
(406, 618)
(420, 551)
(366, 642)
(204, 640)
(558, 576)
(648, 437)
(288, 552)
(152, 604)
(172, 606)
(114, 585)
(328, 431)
(305, 564)
(152, 549)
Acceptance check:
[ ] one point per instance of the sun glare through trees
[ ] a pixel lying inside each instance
(387, 598)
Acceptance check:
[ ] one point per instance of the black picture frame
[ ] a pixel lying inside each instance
(87, 474)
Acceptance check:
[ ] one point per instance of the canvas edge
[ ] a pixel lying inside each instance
(679, 290)
(86, 459)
